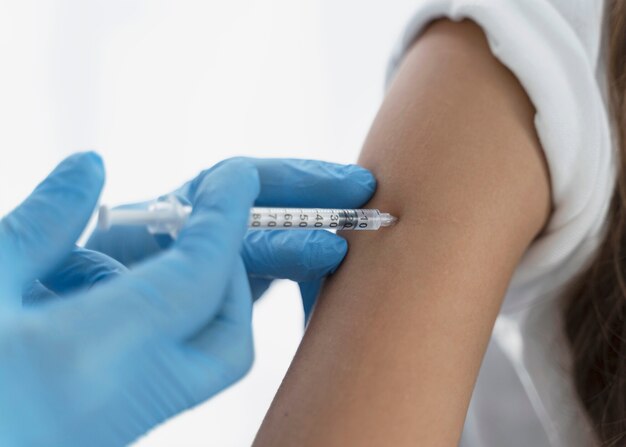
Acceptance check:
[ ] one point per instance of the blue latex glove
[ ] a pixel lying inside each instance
(124, 350)
(303, 256)
(81, 270)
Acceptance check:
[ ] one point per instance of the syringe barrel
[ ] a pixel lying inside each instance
(168, 216)
(314, 218)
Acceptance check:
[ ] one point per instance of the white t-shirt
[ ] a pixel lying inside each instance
(524, 395)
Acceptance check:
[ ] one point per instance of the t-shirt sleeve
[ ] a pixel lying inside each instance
(557, 64)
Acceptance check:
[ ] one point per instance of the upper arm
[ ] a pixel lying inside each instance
(396, 340)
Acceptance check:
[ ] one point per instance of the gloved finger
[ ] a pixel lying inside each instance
(178, 291)
(312, 183)
(308, 183)
(44, 228)
(226, 342)
(126, 243)
(36, 293)
(82, 269)
(302, 255)
(258, 286)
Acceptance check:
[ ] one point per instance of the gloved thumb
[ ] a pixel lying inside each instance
(43, 229)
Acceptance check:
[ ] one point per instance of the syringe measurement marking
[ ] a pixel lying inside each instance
(300, 218)
(278, 217)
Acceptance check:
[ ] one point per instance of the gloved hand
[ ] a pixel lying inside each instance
(111, 359)
(305, 256)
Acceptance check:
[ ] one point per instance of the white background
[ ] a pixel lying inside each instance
(163, 89)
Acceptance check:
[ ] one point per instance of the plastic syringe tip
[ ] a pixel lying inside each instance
(387, 220)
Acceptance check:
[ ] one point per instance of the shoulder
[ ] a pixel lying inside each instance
(553, 48)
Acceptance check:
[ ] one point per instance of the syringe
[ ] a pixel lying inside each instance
(167, 216)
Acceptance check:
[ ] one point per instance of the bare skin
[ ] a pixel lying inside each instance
(393, 349)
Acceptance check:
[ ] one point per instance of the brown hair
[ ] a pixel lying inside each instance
(595, 311)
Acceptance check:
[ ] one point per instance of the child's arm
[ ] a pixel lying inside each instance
(393, 349)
